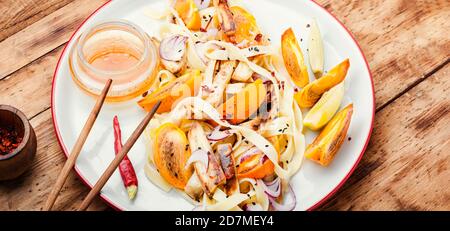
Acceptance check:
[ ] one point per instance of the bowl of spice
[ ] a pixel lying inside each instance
(17, 143)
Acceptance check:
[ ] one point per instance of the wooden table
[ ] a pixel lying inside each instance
(407, 44)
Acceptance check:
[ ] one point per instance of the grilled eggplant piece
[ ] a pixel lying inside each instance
(225, 152)
(194, 188)
(210, 176)
(221, 80)
(226, 18)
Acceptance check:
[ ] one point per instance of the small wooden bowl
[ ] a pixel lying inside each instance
(16, 163)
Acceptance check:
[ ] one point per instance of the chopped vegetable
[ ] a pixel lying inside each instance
(182, 87)
(330, 140)
(309, 95)
(324, 110)
(188, 11)
(171, 156)
(173, 48)
(241, 106)
(316, 50)
(293, 58)
(212, 175)
(226, 19)
(256, 167)
(247, 31)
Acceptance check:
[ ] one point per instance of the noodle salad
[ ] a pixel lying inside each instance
(229, 132)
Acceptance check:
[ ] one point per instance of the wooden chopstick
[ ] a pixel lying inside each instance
(119, 157)
(77, 148)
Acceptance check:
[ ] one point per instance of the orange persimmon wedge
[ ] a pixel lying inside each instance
(293, 58)
(309, 95)
(171, 155)
(177, 89)
(246, 27)
(188, 11)
(245, 103)
(252, 168)
(327, 144)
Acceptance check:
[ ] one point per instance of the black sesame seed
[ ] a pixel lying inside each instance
(253, 203)
(308, 26)
(349, 138)
(267, 145)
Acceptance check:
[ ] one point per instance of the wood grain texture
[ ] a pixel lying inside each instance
(30, 191)
(407, 165)
(29, 89)
(18, 14)
(43, 36)
(402, 39)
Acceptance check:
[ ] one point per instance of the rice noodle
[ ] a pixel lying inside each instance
(285, 118)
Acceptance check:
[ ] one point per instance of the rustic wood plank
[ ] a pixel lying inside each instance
(29, 89)
(406, 166)
(30, 191)
(18, 14)
(402, 39)
(44, 35)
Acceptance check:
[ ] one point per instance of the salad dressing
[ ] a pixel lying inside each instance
(117, 50)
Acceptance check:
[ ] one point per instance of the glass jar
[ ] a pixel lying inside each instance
(117, 50)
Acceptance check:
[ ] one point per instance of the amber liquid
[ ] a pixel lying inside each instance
(115, 62)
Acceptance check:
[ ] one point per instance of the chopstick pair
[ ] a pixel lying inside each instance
(70, 163)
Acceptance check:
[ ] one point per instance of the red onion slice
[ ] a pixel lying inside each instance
(198, 156)
(217, 135)
(290, 201)
(252, 207)
(272, 189)
(173, 48)
(202, 4)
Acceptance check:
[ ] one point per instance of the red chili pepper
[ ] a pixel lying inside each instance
(126, 167)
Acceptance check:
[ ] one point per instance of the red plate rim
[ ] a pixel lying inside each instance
(117, 207)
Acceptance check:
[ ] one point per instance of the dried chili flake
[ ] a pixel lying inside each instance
(9, 140)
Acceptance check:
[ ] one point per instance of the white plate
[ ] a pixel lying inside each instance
(313, 184)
